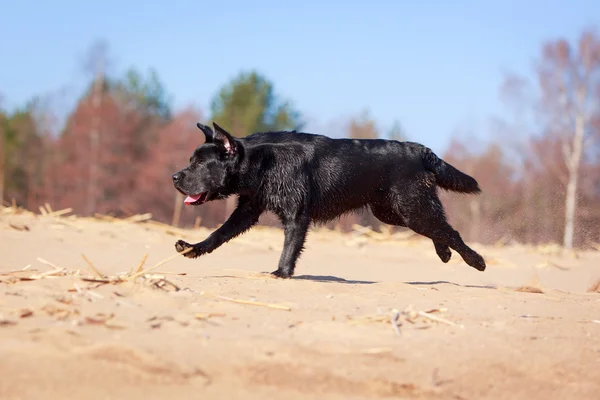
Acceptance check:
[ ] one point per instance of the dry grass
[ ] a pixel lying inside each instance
(398, 319)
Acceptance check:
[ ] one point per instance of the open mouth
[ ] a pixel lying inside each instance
(196, 199)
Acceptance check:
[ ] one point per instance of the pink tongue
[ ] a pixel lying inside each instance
(190, 199)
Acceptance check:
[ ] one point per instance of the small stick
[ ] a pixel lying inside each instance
(254, 303)
(97, 280)
(94, 294)
(437, 319)
(60, 212)
(47, 263)
(171, 273)
(162, 282)
(138, 217)
(19, 227)
(47, 273)
(104, 217)
(141, 264)
(166, 260)
(89, 263)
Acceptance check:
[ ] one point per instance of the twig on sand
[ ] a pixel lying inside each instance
(55, 271)
(155, 280)
(171, 273)
(99, 280)
(166, 260)
(94, 294)
(205, 316)
(160, 282)
(251, 303)
(141, 264)
(408, 315)
(138, 218)
(437, 319)
(48, 263)
(91, 265)
(19, 227)
(60, 212)
(48, 273)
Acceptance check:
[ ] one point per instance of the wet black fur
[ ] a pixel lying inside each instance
(306, 178)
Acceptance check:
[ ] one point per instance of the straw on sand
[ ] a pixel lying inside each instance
(397, 318)
(250, 302)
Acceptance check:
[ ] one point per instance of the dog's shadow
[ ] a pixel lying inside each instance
(450, 283)
(331, 279)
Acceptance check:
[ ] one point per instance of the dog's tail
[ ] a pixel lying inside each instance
(446, 176)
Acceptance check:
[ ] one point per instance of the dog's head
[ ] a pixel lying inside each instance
(212, 168)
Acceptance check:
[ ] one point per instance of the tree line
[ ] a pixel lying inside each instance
(122, 141)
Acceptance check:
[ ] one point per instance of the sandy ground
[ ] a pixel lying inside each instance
(332, 336)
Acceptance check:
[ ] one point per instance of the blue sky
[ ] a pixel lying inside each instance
(436, 66)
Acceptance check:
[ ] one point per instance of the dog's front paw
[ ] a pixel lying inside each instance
(182, 246)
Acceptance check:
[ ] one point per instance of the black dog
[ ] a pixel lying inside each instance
(304, 178)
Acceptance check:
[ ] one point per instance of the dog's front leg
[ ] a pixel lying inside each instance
(295, 235)
(243, 218)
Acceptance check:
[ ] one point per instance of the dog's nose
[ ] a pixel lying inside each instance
(177, 176)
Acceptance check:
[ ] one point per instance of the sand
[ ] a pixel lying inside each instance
(525, 328)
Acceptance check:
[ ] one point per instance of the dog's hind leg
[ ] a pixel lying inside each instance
(444, 236)
(443, 251)
(295, 230)
(427, 217)
(386, 214)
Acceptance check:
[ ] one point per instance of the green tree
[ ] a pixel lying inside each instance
(146, 97)
(248, 104)
(20, 148)
(144, 93)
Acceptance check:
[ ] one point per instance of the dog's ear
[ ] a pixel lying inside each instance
(225, 138)
(208, 132)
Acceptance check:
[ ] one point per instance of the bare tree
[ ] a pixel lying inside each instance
(569, 77)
